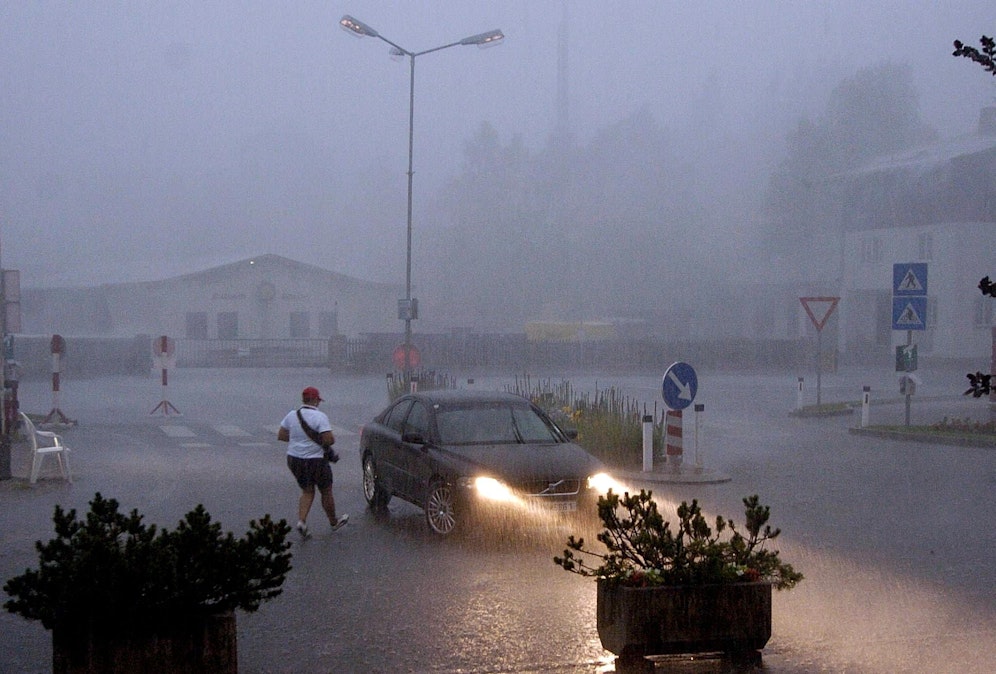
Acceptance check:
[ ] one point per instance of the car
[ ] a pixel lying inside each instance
(458, 453)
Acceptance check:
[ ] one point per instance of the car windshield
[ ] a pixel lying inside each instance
(492, 424)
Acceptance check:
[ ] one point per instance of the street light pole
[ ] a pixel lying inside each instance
(357, 28)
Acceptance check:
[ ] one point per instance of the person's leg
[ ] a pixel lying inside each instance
(304, 503)
(328, 504)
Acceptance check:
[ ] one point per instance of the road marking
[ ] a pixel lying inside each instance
(195, 445)
(177, 431)
(232, 431)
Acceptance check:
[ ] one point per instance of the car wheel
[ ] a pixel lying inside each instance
(440, 509)
(375, 494)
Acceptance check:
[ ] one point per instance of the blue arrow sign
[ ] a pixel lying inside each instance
(679, 386)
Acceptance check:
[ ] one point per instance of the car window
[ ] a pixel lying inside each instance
(531, 426)
(418, 421)
(395, 418)
(473, 425)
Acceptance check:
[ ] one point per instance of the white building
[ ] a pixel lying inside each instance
(265, 297)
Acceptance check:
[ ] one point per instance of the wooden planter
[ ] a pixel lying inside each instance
(199, 646)
(638, 621)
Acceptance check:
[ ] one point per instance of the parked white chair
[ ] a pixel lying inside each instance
(45, 443)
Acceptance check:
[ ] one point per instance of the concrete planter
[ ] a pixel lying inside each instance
(199, 646)
(634, 622)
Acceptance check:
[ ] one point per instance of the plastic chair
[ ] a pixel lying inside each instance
(45, 443)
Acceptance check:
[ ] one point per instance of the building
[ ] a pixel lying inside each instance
(264, 297)
(935, 205)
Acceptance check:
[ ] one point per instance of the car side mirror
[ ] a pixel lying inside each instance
(412, 438)
(571, 433)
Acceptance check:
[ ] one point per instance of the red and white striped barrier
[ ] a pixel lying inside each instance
(673, 441)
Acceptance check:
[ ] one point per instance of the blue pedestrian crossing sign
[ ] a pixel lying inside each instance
(909, 278)
(909, 296)
(680, 385)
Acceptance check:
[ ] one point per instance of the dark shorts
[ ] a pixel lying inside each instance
(310, 472)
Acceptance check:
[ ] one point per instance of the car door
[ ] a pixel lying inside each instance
(413, 458)
(386, 446)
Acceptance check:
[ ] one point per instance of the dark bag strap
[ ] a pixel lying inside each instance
(315, 436)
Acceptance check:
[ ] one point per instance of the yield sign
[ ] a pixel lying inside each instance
(819, 309)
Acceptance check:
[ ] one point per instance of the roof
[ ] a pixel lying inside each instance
(926, 158)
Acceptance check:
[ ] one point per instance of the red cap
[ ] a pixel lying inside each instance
(310, 393)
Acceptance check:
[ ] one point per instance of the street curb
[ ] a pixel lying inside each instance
(685, 475)
(925, 438)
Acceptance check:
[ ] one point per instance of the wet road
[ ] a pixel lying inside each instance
(894, 537)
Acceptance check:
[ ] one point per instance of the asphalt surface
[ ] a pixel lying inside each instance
(894, 537)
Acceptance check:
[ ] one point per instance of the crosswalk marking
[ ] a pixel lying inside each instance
(232, 431)
(174, 431)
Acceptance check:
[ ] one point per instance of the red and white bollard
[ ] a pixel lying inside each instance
(163, 349)
(672, 432)
(58, 346)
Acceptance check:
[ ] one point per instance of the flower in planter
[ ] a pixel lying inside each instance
(641, 549)
(113, 572)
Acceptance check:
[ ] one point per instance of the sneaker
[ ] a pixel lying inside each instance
(302, 529)
(340, 523)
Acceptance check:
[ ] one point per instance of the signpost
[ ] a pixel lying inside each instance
(909, 313)
(819, 310)
(678, 388)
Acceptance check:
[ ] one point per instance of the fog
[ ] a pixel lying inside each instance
(144, 140)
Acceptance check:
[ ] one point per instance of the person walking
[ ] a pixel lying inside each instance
(308, 432)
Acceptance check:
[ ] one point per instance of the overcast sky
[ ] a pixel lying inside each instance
(144, 139)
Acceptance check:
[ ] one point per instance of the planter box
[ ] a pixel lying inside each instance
(200, 646)
(638, 621)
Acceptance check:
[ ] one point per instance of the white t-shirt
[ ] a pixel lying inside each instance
(300, 445)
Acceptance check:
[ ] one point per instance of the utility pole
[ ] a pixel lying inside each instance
(4, 426)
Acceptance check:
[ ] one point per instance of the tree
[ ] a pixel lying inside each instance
(986, 57)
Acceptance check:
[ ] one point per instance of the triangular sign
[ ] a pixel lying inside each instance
(910, 284)
(819, 309)
(909, 317)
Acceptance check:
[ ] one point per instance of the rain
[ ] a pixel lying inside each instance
(607, 173)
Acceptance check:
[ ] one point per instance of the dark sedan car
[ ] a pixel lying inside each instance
(456, 452)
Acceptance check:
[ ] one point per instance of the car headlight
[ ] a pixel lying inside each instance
(493, 490)
(602, 482)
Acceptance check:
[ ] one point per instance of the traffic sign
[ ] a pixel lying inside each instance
(909, 278)
(679, 386)
(819, 309)
(906, 358)
(414, 359)
(909, 313)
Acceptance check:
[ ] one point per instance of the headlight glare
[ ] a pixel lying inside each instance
(602, 482)
(492, 489)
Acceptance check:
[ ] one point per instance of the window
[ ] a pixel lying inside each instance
(396, 417)
(871, 249)
(228, 325)
(983, 312)
(197, 325)
(418, 421)
(328, 323)
(300, 325)
(925, 246)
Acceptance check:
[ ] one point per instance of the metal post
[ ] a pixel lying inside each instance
(798, 396)
(909, 342)
(865, 404)
(648, 443)
(819, 364)
(699, 408)
(408, 256)
(5, 430)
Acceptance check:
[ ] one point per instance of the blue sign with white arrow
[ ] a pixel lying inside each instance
(680, 385)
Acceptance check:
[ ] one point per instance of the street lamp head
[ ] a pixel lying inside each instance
(489, 39)
(356, 28)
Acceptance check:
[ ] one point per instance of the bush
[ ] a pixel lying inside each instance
(117, 574)
(642, 550)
